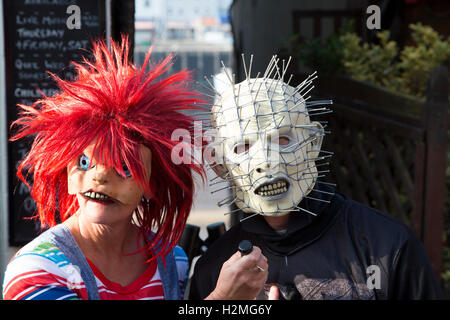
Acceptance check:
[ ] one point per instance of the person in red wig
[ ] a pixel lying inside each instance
(101, 164)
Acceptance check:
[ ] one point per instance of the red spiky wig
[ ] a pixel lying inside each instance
(123, 107)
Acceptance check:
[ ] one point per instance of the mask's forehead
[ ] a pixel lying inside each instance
(259, 105)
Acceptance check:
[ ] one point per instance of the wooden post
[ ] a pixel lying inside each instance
(436, 151)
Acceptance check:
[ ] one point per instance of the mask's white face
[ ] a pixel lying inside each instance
(268, 146)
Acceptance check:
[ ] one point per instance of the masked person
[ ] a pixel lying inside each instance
(100, 164)
(318, 243)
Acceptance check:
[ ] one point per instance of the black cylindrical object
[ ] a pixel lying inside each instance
(245, 247)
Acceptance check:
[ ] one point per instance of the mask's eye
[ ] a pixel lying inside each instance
(126, 170)
(283, 141)
(241, 148)
(84, 162)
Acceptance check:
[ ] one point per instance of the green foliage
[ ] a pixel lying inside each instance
(403, 70)
(383, 64)
(370, 62)
(416, 62)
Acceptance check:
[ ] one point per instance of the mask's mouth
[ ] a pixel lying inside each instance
(98, 197)
(273, 188)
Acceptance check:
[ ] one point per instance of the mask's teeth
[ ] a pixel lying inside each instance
(272, 189)
(95, 195)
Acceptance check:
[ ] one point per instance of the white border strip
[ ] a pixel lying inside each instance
(4, 198)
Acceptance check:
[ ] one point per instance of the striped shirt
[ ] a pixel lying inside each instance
(41, 271)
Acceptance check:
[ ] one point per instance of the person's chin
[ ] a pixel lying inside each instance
(98, 214)
(96, 218)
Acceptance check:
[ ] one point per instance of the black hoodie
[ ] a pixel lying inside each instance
(347, 251)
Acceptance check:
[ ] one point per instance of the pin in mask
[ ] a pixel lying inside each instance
(265, 144)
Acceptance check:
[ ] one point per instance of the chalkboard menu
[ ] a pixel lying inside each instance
(40, 36)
